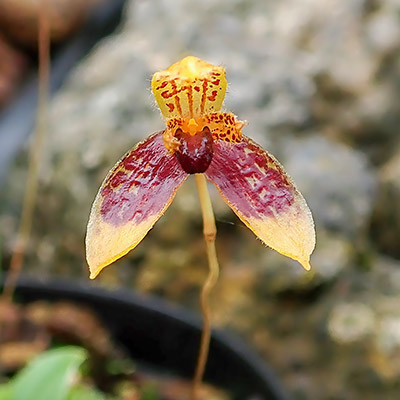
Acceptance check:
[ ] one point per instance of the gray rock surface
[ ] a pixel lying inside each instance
(337, 181)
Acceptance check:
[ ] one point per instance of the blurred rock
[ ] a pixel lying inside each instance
(386, 221)
(350, 322)
(337, 181)
(346, 335)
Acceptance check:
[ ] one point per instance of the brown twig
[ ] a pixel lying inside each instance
(17, 258)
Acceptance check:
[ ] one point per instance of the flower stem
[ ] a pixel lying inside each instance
(17, 257)
(210, 231)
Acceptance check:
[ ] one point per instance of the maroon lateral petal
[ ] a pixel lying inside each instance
(141, 183)
(250, 179)
(264, 197)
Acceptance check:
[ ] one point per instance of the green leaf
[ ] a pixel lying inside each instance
(49, 376)
(85, 393)
(5, 392)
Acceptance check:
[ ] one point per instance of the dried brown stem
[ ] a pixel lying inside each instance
(17, 258)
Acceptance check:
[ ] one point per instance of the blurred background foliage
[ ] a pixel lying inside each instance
(319, 84)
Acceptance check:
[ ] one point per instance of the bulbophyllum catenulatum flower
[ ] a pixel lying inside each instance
(199, 139)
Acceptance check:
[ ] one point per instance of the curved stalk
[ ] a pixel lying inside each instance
(210, 231)
(17, 257)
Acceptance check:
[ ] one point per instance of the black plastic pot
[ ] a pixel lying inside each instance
(166, 337)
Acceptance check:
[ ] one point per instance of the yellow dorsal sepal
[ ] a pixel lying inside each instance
(189, 88)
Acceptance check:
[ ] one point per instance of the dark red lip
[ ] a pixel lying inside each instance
(196, 151)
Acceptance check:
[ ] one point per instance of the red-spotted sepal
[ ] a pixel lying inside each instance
(255, 186)
(131, 199)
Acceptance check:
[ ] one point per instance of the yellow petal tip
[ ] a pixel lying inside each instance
(93, 273)
(305, 264)
(92, 276)
(94, 270)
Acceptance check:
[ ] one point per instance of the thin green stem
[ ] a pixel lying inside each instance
(210, 231)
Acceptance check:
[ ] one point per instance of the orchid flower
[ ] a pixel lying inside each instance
(199, 138)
